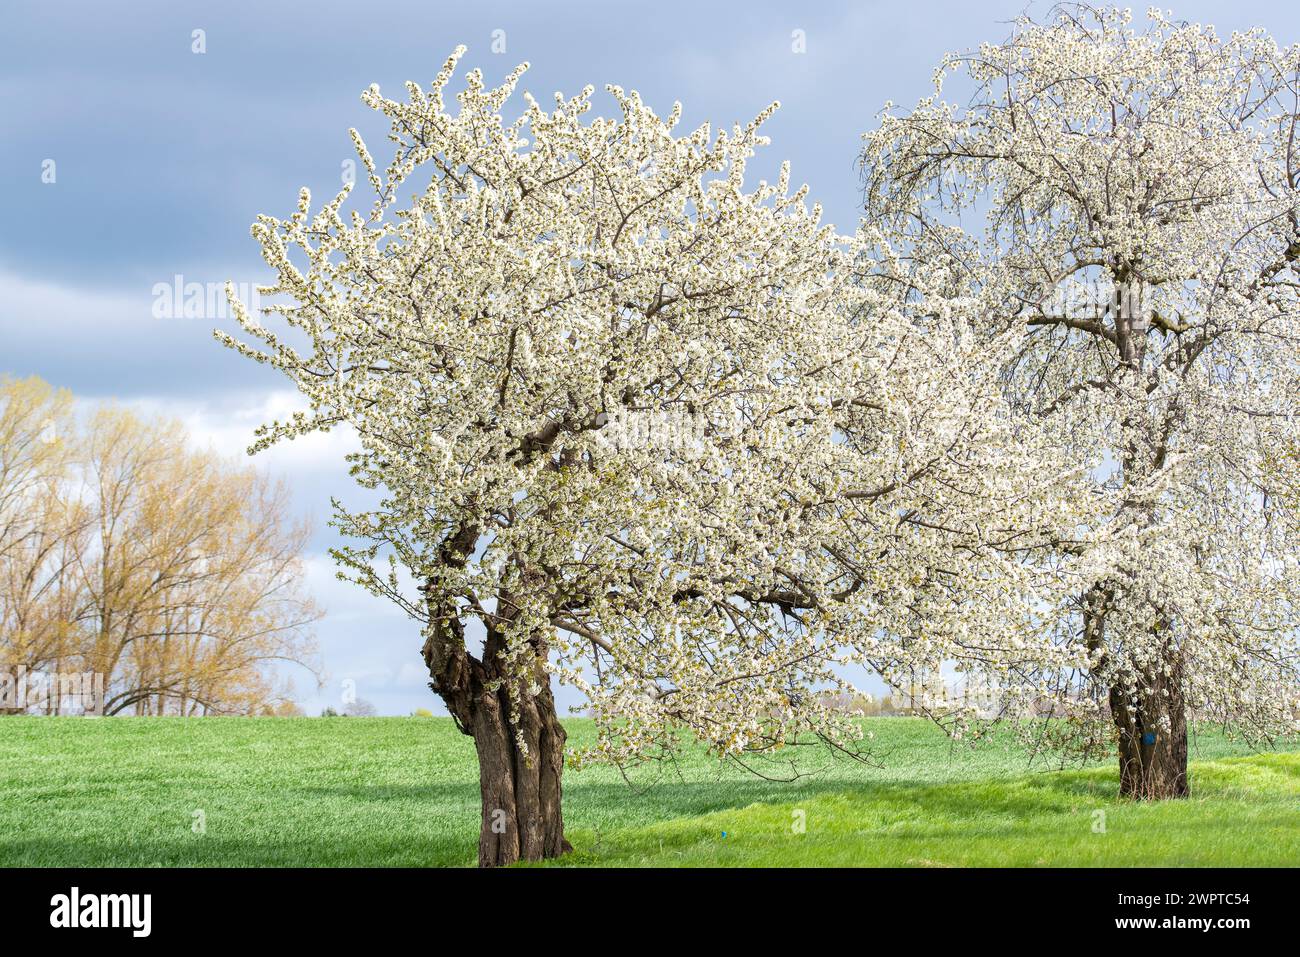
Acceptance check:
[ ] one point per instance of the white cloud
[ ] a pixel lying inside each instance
(226, 426)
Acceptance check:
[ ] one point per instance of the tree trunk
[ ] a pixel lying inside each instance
(1153, 732)
(520, 757)
(522, 815)
(1152, 737)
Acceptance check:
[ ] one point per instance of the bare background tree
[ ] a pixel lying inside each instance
(125, 552)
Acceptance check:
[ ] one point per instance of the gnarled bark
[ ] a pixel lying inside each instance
(522, 815)
(1153, 737)
(1152, 732)
(520, 754)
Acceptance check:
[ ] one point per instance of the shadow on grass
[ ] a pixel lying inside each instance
(667, 800)
(436, 824)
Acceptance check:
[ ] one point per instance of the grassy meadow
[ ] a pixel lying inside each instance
(404, 792)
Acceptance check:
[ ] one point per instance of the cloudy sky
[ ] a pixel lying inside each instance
(140, 140)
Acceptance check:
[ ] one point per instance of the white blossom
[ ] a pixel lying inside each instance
(1157, 161)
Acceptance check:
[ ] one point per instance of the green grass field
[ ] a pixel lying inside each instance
(403, 791)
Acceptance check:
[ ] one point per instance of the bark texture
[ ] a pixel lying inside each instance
(522, 815)
(1151, 731)
(1152, 737)
(520, 756)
